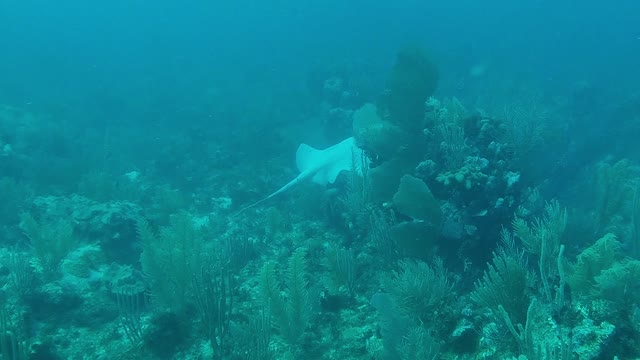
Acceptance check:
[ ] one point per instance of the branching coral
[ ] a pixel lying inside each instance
(613, 187)
(504, 286)
(524, 124)
(620, 284)
(543, 238)
(50, 241)
(291, 314)
(591, 262)
(635, 221)
(419, 290)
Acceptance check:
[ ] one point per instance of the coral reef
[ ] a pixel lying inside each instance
(470, 236)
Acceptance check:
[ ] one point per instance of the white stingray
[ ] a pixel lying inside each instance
(323, 166)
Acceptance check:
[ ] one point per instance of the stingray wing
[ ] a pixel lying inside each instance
(325, 165)
(308, 157)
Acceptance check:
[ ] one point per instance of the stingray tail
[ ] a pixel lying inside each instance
(250, 206)
(258, 202)
(279, 191)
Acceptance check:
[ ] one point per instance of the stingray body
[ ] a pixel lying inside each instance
(323, 166)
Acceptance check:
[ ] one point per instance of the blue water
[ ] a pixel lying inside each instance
(123, 48)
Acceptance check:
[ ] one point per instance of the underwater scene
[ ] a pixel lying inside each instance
(330, 180)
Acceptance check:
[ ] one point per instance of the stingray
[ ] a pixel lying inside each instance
(322, 166)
